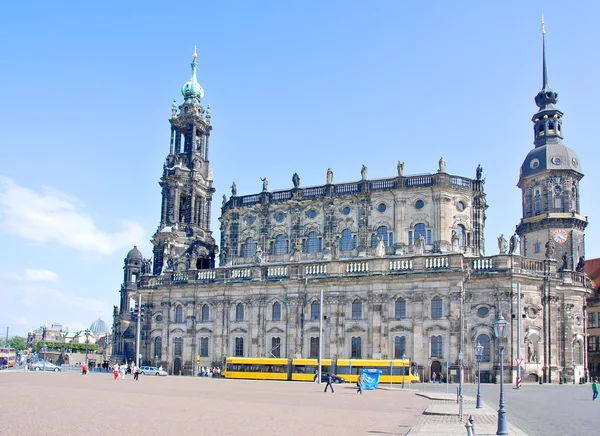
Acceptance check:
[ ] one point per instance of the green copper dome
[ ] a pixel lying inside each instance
(191, 88)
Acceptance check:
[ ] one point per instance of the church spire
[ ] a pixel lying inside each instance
(548, 120)
(191, 89)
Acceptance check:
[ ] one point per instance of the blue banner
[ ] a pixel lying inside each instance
(370, 379)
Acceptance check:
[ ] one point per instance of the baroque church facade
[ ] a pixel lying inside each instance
(401, 262)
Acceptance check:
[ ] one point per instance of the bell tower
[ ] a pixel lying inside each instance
(184, 240)
(549, 182)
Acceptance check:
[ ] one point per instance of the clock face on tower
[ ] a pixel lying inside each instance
(560, 236)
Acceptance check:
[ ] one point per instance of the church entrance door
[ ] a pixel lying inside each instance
(436, 368)
(177, 366)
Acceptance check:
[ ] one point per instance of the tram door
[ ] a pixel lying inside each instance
(436, 368)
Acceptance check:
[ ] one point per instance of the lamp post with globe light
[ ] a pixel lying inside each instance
(479, 355)
(500, 330)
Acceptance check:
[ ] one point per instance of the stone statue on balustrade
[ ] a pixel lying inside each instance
(420, 245)
(502, 245)
(363, 172)
(580, 264)
(478, 172)
(549, 250)
(565, 260)
(147, 267)
(265, 184)
(233, 190)
(296, 180)
(296, 253)
(455, 242)
(514, 244)
(329, 176)
(380, 248)
(442, 165)
(258, 257)
(400, 167)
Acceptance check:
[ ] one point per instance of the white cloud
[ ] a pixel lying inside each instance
(30, 275)
(40, 275)
(53, 216)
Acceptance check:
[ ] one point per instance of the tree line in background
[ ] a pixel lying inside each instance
(19, 343)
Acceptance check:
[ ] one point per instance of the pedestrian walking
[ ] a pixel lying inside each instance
(116, 371)
(359, 383)
(595, 389)
(136, 372)
(433, 378)
(329, 383)
(84, 369)
(123, 368)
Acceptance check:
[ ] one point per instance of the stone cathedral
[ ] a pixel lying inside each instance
(401, 260)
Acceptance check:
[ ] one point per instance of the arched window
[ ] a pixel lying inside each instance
(436, 346)
(382, 233)
(436, 307)
(357, 309)
(179, 314)
(203, 347)
(550, 127)
(239, 347)
(312, 243)
(460, 232)
(399, 347)
(484, 341)
(280, 246)
(577, 353)
(248, 248)
(346, 240)
(158, 347)
(239, 312)
(276, 312)
(314, 347)
(400, 308)
(205, 313)
(178, 346)
(420, 230)
(356, 352)
(315, 310)
(276, 347)
(537, 202)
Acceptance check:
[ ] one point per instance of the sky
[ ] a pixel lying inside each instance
(86, 91)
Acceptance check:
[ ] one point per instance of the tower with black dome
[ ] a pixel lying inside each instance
(552, 225)
(132, 269)
(184, 240)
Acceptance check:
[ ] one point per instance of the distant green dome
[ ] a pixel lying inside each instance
(191, 88)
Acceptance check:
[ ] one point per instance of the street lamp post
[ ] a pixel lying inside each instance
(403, 368)
(86, 345)
(500, 328)
(478, 354)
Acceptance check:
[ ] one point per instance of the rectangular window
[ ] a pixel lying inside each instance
(537, 247)
(592, 343)
(399, 347)
(203, 347)
(436, 346)
(591, 319)
(410, 238)
(391, 239)
(558, 203)
(429, 236)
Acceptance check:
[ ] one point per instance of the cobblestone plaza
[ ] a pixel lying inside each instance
(68, 404)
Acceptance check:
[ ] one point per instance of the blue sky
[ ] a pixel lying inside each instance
(86, 90)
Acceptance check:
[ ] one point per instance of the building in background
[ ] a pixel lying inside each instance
(401, 261)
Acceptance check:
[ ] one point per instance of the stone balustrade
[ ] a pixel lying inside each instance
(374, 266)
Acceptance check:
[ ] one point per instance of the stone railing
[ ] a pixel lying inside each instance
(437, 262)
(368, 266)
(401, 265)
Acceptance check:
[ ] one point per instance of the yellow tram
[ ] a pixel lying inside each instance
(305, 369)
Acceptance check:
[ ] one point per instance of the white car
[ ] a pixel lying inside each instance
(152, 370)
(47, 366)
